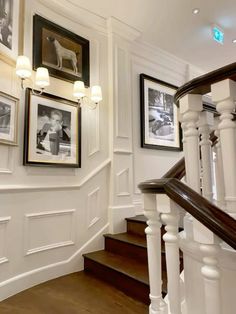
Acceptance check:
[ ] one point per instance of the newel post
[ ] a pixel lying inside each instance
(153, 234)
(224, 95)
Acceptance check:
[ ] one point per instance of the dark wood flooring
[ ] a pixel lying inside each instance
(78, 293)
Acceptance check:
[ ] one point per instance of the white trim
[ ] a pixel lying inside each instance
(4, 220)
(77, 14)
(122, 29)
(119, 175)
(97, 217)
(31, 278)
(23, 188)
(51, 246)
(122, 151)
(9, 167)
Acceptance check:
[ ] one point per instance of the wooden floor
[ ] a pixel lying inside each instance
(77, 293)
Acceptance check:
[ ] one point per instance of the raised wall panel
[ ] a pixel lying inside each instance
(122, 183)
(3, 239)
(49, 230)
(93, 207)
(93, 131)
(121, 94)
(6, 160)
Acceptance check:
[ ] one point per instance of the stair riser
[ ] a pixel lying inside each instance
(136, 228)
(126, 284)
(126, 249)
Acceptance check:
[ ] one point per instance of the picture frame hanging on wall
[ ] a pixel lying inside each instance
(64, 53)
(8, 119)
(160, 127)
(52, 131)
(9, 30)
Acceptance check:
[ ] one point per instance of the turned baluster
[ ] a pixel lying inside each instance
(170, 216)
(206, 121)
(219, 175)
(153, 234)
(224, 95)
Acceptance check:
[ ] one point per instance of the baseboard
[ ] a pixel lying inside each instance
(34, 277)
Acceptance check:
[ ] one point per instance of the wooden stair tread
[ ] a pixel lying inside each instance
(130, 238)
(139, 218)
(127, 266)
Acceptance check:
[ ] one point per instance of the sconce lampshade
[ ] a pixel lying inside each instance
(96, 93)
(79, 89)
(23, 67)
(42, 77)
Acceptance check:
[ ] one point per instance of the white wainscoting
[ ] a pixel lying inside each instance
(49, 230)
(7, 158)
(3, 239)
(93, 207)
(123, 180)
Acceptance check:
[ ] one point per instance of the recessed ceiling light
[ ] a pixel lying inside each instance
(234, 41)
(196, 11)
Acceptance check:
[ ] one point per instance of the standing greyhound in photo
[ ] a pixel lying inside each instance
(64, 53)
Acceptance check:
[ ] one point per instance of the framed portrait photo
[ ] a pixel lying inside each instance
(8, 119)
(9, 30)
(65, 54)
(52, 131)
(160, 128)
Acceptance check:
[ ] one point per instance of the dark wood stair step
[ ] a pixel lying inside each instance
(126, 274)
(137, 225)
(127, 244)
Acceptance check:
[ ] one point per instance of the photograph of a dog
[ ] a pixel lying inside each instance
(61, 53)
(64, 53)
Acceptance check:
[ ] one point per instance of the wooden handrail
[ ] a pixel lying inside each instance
(220, 223)
(202, 84)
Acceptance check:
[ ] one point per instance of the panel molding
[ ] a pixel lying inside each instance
(8, 169)
(122, 152)
(40, 215)
(122, 183)
(23, 188)
(121, 132)
(94, 137)
(4, 221)
(93, 209)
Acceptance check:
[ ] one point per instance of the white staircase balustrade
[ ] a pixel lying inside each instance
(224, 95)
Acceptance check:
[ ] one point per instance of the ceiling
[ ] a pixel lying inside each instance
(170, 25)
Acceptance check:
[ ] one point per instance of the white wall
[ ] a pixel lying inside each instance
(50, 216)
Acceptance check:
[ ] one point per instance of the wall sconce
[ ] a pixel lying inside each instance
(24, 71)
(79, 94)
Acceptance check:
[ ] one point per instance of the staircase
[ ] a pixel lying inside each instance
(123, 263)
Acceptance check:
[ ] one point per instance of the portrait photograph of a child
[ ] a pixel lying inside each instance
(52, 134)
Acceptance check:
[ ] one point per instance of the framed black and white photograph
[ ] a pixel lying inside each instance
(9, 29)
(63, 53)
(8, 119)
(52, 131)
(160, 128)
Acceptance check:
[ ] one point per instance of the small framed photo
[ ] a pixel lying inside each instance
(8, 119)
(160, 128)
(9, 30)
(65, 54)
(52, 131)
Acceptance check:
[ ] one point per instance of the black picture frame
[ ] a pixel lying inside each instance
(51, 42)
(33, 154)
(160, 128)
